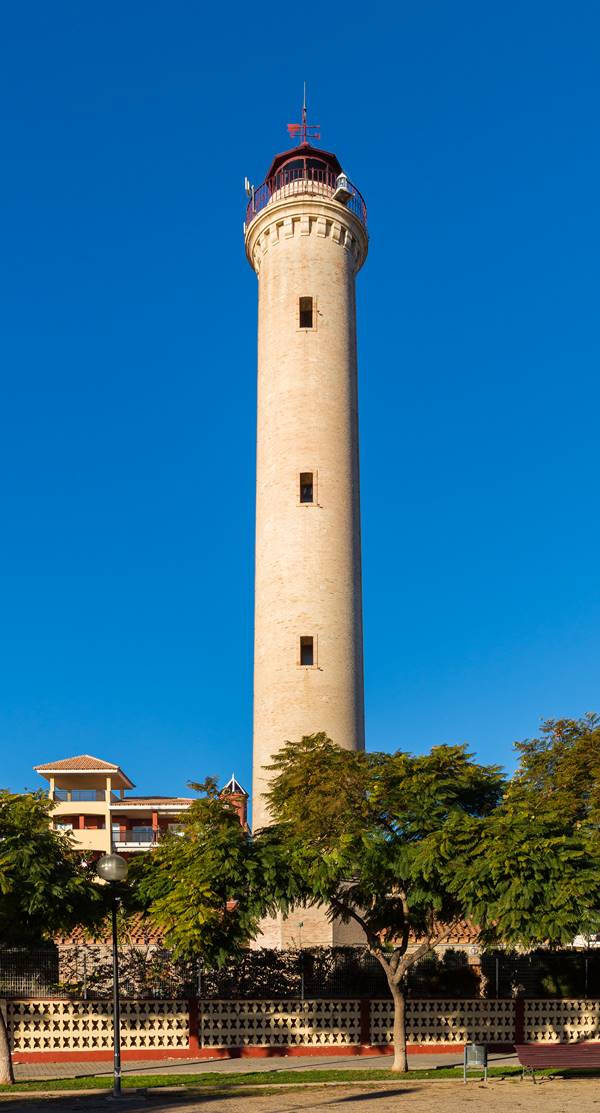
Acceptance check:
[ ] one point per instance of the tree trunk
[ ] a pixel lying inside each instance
(400, 1063)
(6, 1067)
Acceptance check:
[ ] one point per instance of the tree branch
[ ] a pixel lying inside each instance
(428, 945)
(406, 914)
(347, 910)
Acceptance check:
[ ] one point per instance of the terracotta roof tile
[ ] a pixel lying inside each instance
(84, 761)
(138, 931)
(135, 930)
(462, 933)
(183, 800)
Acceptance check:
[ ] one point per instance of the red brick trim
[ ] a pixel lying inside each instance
(284, 1050)
(97, 1056)
(519, 1020)
(193, 1022)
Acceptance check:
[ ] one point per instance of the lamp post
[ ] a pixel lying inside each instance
(113, 869)
(300, 926)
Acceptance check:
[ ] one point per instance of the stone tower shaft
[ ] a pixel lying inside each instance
(306, 243)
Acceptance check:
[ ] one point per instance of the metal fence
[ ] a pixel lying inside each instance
(152, 972)
(86, 972)
(541, 974)
(295, 183)
(28, 973)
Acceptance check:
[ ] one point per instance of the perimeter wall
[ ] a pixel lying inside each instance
(52, 1029)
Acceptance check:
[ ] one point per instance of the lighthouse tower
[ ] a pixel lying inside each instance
(306, 239)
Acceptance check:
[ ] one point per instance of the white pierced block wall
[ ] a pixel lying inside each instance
(446, 1021)
(87, 1025)
(54, 1025)
(564, 1021)
(276, 1023)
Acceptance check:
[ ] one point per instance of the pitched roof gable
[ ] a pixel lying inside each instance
(83, 761)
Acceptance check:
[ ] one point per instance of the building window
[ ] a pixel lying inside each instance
(307, 651)
(94, 823)
(306, 487)
(306, 313)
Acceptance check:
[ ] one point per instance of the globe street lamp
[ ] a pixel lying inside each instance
(113, 869)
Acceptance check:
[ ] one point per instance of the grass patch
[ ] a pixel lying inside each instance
(230, 1080)
(233, 1080)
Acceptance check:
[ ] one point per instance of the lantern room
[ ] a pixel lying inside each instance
(306, 162)
(305, 169)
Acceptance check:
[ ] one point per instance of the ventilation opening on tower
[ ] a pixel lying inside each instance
(306, 312)
(306, 487)
(307, 651)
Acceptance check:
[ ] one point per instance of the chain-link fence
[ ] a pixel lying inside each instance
(28, 973)
(567, 973)
(151, 971)
(87, 971)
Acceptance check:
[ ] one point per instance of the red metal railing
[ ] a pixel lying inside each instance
(293, 181)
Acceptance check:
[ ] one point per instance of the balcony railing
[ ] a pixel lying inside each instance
(142, 836)
(293, 182)
(79, 795)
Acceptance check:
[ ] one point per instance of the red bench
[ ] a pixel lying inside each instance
(563, 1056)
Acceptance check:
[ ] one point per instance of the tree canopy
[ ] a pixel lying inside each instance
(46, 885)
(404, 845)
(361, 831)
(358, 828)
(407, 845)
(559, 773)
(209, 887)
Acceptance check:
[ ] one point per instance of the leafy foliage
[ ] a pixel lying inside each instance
(45, 886)
(522, 880)
(408, 845)
(359, 829)
(530, 872)
(209, 887)
(559, 773)
(404, 845)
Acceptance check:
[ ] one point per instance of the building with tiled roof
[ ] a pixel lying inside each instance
(135, 930)
(84, 763)
(90, 801)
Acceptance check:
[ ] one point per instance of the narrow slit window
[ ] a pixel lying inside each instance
(306, 313)
(306, 487)
(307, 651)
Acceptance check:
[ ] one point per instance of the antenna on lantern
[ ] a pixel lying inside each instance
(304, 131)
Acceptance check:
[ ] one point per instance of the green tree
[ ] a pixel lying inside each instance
(208, 887)
(358, 830)
(559, 772)
(531, 873)
(44, 886)
(407, 845)
(522, 879)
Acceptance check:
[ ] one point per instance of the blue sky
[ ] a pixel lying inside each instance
(128, 364)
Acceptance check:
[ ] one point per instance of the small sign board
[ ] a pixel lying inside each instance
(475, 1058)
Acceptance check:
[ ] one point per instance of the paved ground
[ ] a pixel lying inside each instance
(275, 1062)
(413, 1097)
